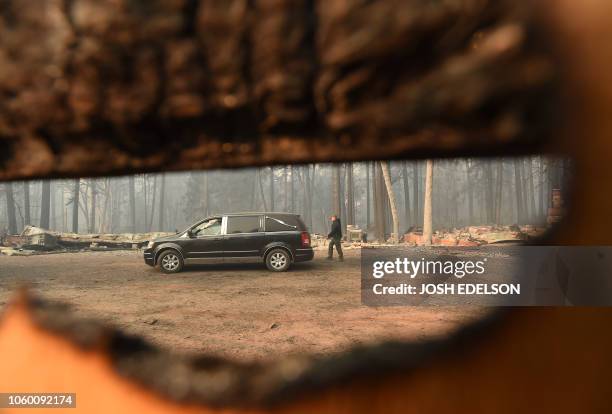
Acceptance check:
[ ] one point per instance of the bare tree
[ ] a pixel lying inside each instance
(10, 208)
(519, 191)
(292, 172)
(132, 191)
(350, 194)
(470, 189)
(26, 203)
(498, 191)
(531, 195)
(488, 168)
(428, 204)
(205, 194)
(285, 189)
(336, 200)
(384, 165)
(379, 203)
(162, 200)
(261, 190)
(271, 188)
(406, 193)
(368, 202)
(75, 205)
(45, 204)
(94, 198)
(415, 192)
(542, 185)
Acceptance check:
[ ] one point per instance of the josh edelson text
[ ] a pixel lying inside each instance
(421, 268)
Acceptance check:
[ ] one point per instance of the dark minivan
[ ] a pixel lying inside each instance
(276, 239)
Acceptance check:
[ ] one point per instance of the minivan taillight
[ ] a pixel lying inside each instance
(305, 239)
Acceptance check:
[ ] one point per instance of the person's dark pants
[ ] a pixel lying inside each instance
(330, 250)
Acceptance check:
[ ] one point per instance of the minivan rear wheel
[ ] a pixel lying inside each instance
(170, 261)
(278, 260)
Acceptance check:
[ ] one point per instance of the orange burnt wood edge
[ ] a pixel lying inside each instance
(536, 359)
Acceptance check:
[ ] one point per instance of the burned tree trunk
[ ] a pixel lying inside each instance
(271, 188)
(518, 181)
(531, 191)
(94, 205)
(384, 166)
(162, 201)
(499, 192)
(292, 185)
(368, 199)
(307, 195)
(132, 203)
(380, 204)
(415, 191)
(205, 194)
(470, 190)
(261, 190)
(350, 195)
(75, 205)
(26, 204)
(45, 204)
(406, 193)
(428, 205)
(336, 207)
(542, 184)
(10, 208)
(488, 169)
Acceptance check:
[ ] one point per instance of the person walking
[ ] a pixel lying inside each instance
(335, 237)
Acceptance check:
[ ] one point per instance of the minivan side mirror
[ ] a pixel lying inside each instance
(190, 233)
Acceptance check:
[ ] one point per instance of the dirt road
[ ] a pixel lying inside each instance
(241, 311)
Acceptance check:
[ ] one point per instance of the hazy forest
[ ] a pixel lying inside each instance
(465, 192)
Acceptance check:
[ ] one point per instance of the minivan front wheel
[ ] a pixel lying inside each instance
(170, 261)
(278, 260)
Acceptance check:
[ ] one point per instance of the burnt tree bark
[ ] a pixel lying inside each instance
(27, 218)
(470, 190)
(336, 207)
(415, 191)
(271, 188)
(10, 208)
(428, 204)
(531, 191)
(518, 187)
(384, 166)
(94, 205)
(368, 198)
(132, 203)
(499, 191)
(406, 185)
(45, 204)
(488, 169)
(350, 194)
(75, 205)
(162, 202)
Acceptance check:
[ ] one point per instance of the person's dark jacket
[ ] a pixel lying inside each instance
(336, 230)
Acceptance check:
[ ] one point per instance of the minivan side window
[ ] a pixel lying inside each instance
(242, 224)
(210, 227)
(279, 224)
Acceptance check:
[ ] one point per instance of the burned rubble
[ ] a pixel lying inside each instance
(35, 240)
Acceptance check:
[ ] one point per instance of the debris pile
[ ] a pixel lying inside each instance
(477, 235)
(38, 240)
